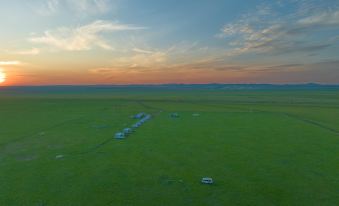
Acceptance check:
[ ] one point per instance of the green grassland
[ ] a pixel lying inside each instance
(260, 147)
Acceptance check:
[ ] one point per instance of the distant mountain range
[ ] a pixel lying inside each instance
(103, 88)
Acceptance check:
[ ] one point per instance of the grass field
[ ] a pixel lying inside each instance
(260, 147)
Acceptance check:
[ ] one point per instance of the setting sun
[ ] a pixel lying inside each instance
(2, 76)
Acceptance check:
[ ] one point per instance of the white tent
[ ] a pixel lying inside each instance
(127, 131)
(139, 115)
(119, 135)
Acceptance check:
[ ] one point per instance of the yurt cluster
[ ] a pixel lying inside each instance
(142, 118)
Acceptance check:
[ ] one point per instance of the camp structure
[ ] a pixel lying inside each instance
(143, 117)
(119, 135)
(147, 117)
(127, 131)
(142, 121)
(207, 180)
(139, 115)
(174, 115)
(136, 125)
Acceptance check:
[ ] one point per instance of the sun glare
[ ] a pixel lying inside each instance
(2, 76)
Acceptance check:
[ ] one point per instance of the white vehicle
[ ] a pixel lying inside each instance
(207, 180)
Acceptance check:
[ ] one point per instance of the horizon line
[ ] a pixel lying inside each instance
(182, 84)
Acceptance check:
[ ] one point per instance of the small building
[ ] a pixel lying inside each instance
(142, 121)
(207, 180)
(119, 135)
(147, 117)
(127, 131)
(136, 125)
(139, 115)
(174, 115)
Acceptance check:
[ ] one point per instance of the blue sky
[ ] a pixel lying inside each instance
(149, 41)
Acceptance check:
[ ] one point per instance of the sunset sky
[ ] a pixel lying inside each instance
(164, 41)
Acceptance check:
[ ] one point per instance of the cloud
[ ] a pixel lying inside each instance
(144, 56)
(91, 6)
(78, 7)
(284, 66)
(84, 37)
(10, 63)
(103, 70)
(142, 59)
(320, 72)
(48, 8)
(267, 32)
(323, 19)
(33, 51)
(143, 51)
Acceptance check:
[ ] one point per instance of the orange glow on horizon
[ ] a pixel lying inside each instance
(122, 76)
(17, 76)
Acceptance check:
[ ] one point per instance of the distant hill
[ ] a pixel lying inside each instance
(108, 88)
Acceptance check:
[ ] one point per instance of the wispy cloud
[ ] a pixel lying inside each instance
(321, 72)
(206, 71)
(142, 58)
(33, 51)
(91, 6)
(143, 51)
(10, 63)
(145, 56)
(323, 19)
(79, 7)
(48, 8)
(265, 31)
(84, 37)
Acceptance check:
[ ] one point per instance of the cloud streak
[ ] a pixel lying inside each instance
(10, 63)
(217, 72)
(91, 6)
(33, 51)
(263, 32)
(84, 37)
(79, 7)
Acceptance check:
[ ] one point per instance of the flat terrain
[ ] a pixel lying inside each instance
(260, 147)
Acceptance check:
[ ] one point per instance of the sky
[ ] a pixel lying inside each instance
(83, 42)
